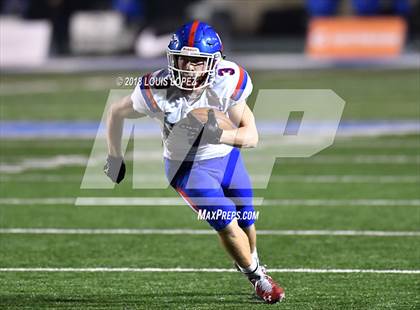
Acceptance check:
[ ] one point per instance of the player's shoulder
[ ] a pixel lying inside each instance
(151, 89)
(229, 70)
(233, 80)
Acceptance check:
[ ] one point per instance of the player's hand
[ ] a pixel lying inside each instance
(115, 168)
(212, 131)
(194, 128)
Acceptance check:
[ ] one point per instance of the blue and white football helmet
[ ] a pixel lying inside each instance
(195, 39)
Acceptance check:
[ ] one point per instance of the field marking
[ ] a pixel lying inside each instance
(342, 202)
(382, 179)
(44, 163)
(339, 143)
(295, 178)
(267, 129)
(355, 159)
(130, 201)
(79, 160)
(37, 201)
(377, 144)
(177, 201)
(133, 231)
(210, 270)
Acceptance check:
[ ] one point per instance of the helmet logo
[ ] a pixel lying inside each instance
(174, 40)
(190, 50)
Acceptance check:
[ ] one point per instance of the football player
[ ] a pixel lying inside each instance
(202, 161)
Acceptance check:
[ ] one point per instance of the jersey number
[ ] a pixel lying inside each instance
(229, 71)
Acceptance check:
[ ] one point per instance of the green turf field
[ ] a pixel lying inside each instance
(363, 184)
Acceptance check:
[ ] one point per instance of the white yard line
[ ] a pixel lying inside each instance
(210, 270)
(342, 178)
(176, 201)
(295, 178)
(55, 162)
(375, 144)
(37, 201)
(44, 163)
(128, 201)
(339, 143)
(357, 159)
(342, 202)
(133, 231)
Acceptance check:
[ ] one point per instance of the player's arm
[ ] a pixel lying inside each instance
(115, 166)
(246, 135)
(115, 121)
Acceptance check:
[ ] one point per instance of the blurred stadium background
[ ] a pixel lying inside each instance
(355, 206)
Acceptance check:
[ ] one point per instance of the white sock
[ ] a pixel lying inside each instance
(251, 268)
(254, 255)
(254, 270)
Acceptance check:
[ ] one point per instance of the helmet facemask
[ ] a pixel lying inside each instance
(192, 79)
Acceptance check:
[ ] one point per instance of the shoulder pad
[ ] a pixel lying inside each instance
(149, 84)
(235, 79)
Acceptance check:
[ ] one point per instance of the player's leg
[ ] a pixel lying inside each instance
(252, 239)
(199, 184)
(237, 186)
(236, 244)
(233, 238)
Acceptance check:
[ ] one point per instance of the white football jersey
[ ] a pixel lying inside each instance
(155, 97)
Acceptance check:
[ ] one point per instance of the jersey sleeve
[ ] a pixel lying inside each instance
(143, 97)
(241, 86)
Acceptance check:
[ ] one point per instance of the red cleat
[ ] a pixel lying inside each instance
(268, 290)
